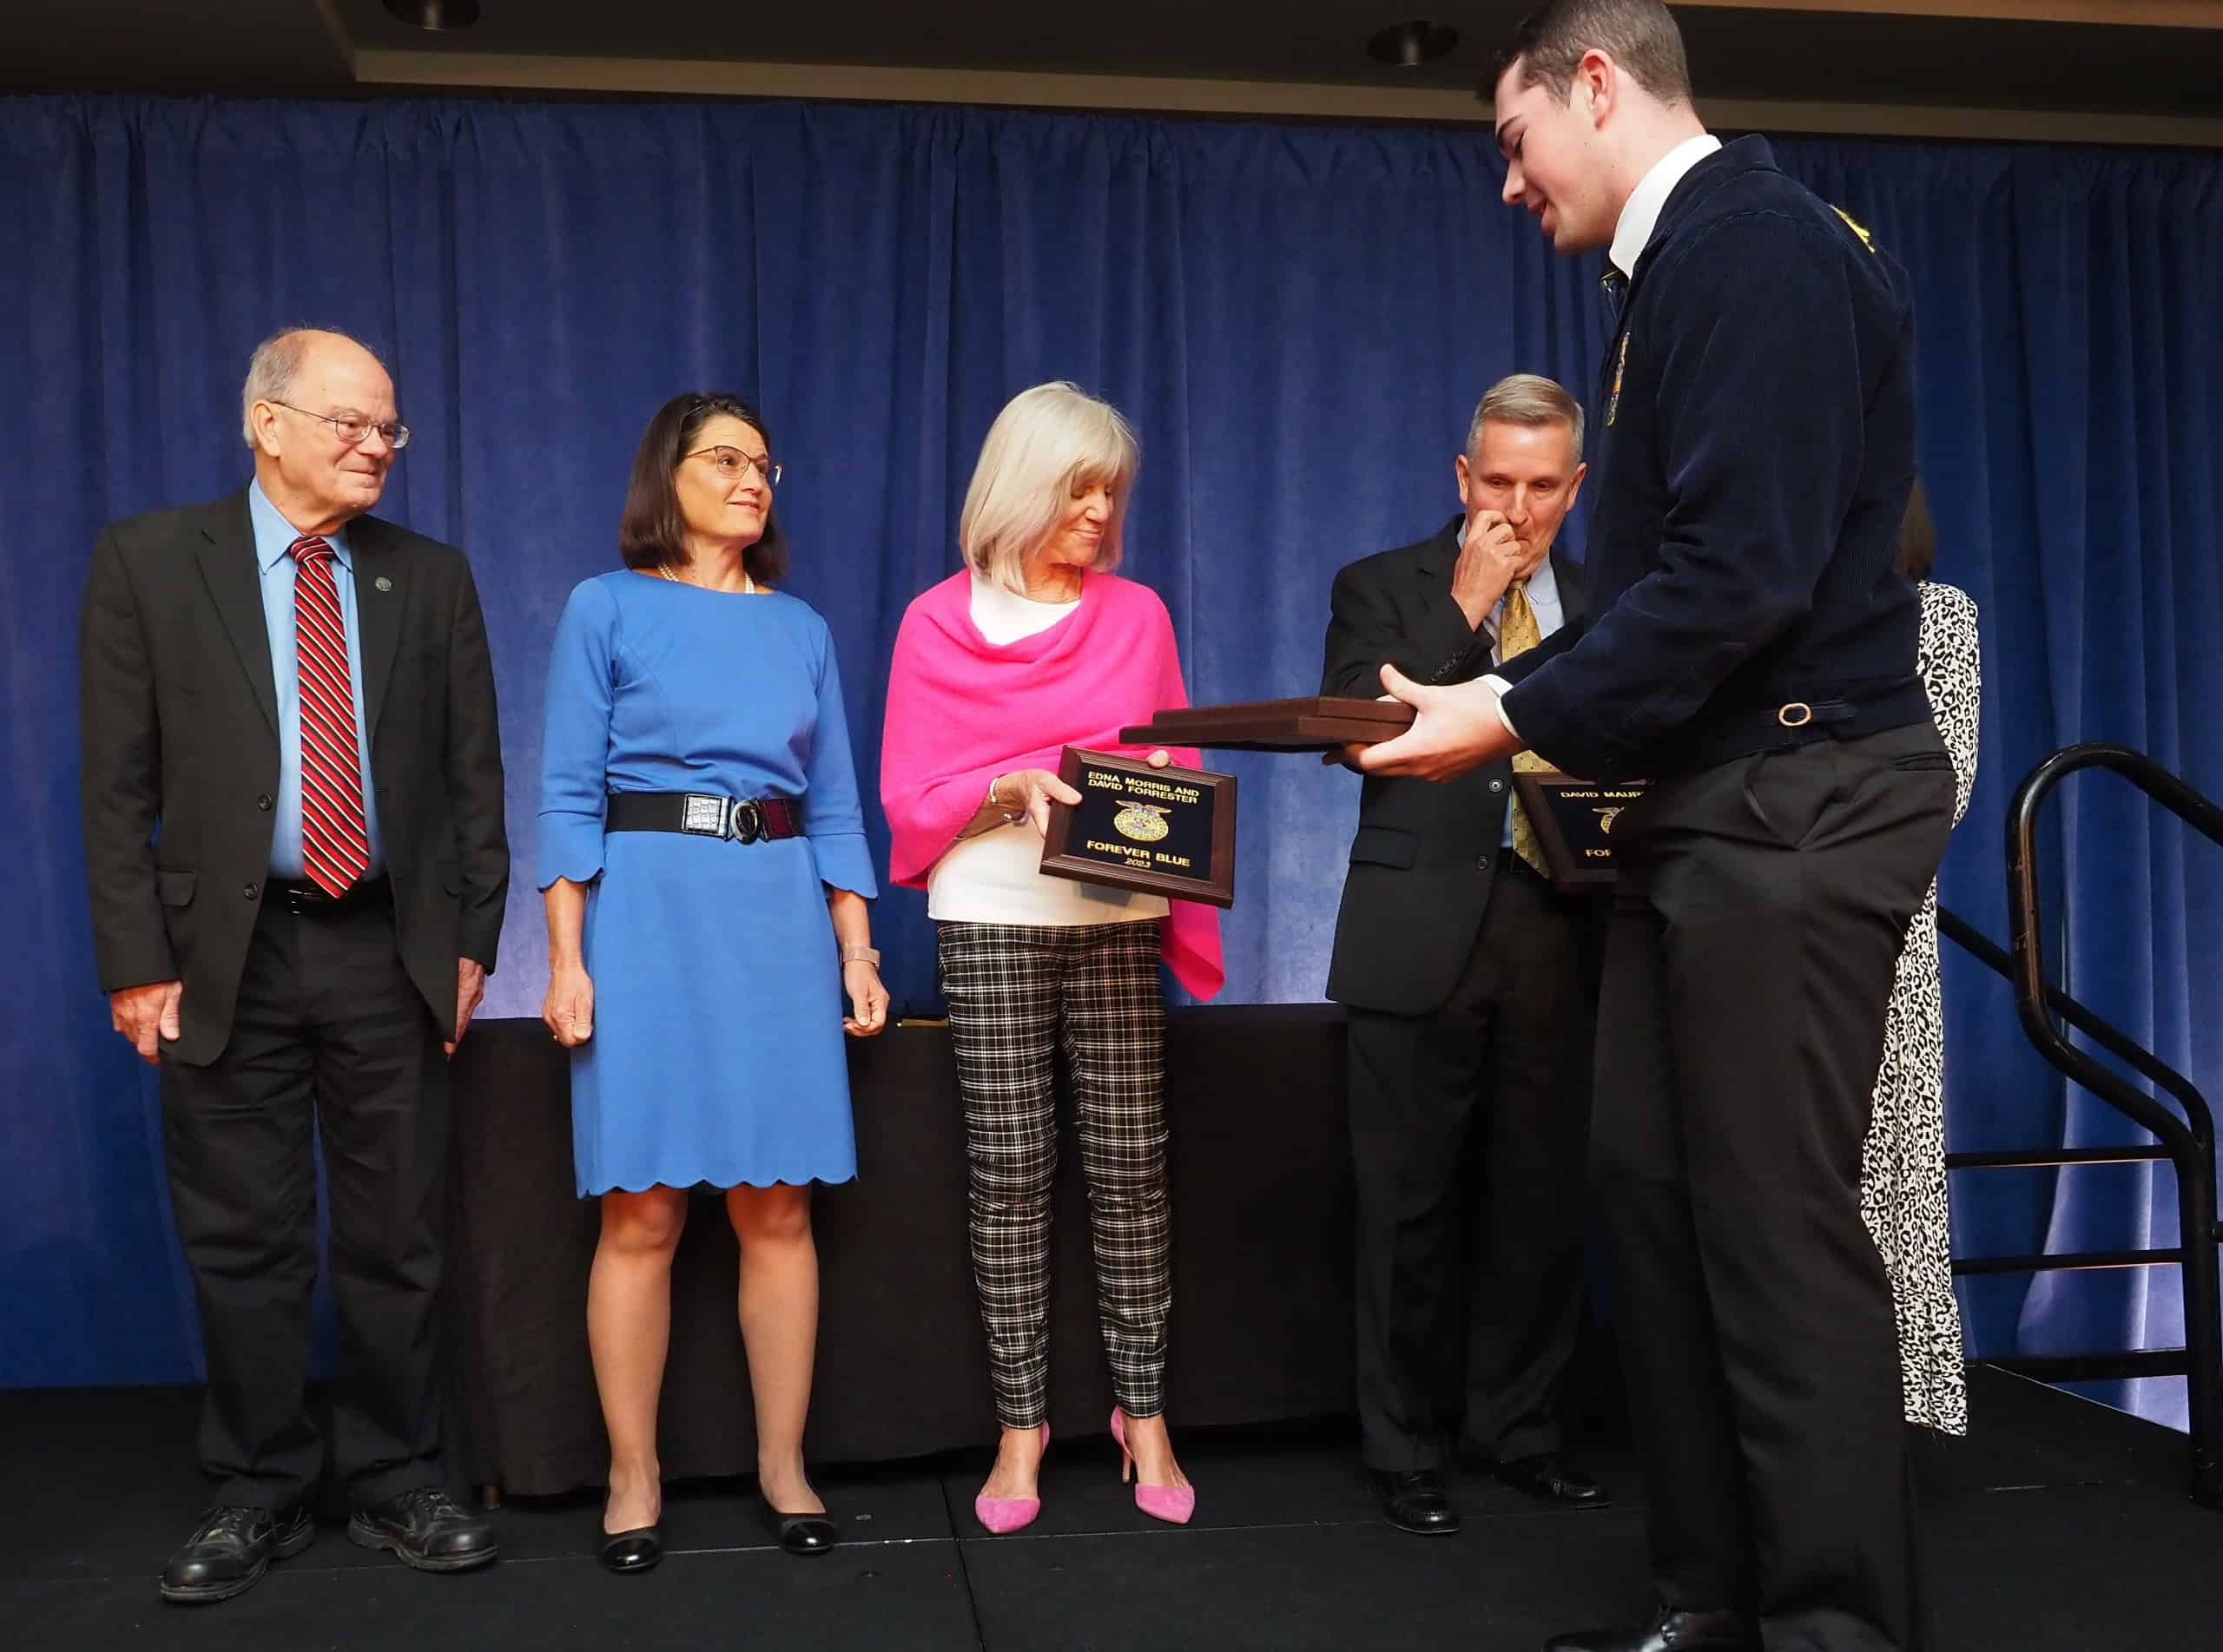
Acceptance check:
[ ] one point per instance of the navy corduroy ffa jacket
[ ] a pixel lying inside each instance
(1756, 413)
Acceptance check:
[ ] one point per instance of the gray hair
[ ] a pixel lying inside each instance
(1044, 441)
(1527, 399)
(270, 370)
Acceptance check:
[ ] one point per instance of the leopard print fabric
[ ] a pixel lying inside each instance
(1903, 1197)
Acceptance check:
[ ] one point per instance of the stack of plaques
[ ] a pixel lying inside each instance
(1313, 723)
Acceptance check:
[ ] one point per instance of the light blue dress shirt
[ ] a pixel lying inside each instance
(273, 540)
(1544, 598)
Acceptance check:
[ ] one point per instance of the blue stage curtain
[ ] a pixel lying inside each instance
(1298, 319)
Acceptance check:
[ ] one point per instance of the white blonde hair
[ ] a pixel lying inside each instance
(1046, 441)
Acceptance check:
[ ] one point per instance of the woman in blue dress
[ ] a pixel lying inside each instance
(702, 854)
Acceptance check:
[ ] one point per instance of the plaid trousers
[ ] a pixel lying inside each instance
(1014, 992)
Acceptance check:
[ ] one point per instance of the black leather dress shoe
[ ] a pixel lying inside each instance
(1414, 1500)
(634, 1549)
(1670, 1630)
(425, 1528)
(799, 1534)
(1547, 1476)
(231, 1549)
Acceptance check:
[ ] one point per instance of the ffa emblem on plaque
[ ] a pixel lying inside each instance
(1144, 822)
(1620, 366)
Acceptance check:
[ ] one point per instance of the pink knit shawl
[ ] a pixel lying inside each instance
(962, 710)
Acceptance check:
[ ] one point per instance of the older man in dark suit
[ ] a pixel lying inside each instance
(1464, 973)
(294, 835)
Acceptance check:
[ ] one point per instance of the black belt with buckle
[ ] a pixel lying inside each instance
(1840, 710)
(307, 900)
(704, 814)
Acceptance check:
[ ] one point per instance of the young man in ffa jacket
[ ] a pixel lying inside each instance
(1470, 1004)
(1750, 650)
(294, 835)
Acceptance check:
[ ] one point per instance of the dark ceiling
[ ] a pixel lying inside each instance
(1738, 52)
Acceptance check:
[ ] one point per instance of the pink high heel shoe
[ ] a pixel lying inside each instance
(1172, 1503)
(1000, 1514)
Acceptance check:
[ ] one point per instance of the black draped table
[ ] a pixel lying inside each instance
(1261, 1260)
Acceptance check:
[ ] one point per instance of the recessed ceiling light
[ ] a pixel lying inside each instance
(1408, 45)
(435, 14)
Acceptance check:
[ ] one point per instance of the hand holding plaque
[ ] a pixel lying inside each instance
(1573, 819)
(1153, 830)
(1032, 793)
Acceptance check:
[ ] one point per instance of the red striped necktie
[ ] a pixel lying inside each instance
(335, 843)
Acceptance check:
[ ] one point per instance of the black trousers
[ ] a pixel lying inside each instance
(1758, 920)
(1469, 1128)
(331, 1038)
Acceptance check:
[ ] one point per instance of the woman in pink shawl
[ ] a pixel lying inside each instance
(1033, 647)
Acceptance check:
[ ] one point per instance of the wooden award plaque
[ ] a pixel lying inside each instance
(1156, 830)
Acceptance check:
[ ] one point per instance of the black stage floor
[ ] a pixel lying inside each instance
(2057, 1526)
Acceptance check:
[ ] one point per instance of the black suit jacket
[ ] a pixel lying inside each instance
(178, 713)
(1425, 852)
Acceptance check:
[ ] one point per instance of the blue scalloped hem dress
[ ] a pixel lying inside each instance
(718, 1055)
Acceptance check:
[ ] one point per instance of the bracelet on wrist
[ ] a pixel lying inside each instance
(857, 952)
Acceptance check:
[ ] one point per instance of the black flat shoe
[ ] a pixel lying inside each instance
(1414, 1500)
(1669, 1631)
(636, 1549)
(231, 1549)
(799, 1534)
(1549, 1477)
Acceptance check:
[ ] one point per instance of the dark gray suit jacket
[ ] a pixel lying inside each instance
(1425, 852)
(178, 714)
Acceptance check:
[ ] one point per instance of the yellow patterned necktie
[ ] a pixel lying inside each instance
(1517, 633)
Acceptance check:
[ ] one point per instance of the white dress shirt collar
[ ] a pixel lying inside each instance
(1640, 216)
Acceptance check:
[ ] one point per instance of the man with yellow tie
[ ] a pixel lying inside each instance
(1469, 984)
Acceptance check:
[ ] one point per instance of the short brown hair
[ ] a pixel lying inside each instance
(651, 533)
(1917, 536)
(1639, 35)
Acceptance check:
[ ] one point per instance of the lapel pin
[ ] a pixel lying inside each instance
(383, 582)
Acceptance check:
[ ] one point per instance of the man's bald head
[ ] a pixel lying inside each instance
(319, 413)
(278, 361)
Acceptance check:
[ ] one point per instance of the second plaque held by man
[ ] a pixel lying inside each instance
(1574, 821)
(1165, 831)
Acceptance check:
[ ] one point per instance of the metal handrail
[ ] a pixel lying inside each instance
(2190, 1141)
(2092, 1365)
(2100, 1030)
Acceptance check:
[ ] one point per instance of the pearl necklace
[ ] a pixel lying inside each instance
(747, 585)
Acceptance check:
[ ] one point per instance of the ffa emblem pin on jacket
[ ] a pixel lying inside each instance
(1857, 228)
(1144, 822)
(383, 582)
(1620, 366)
